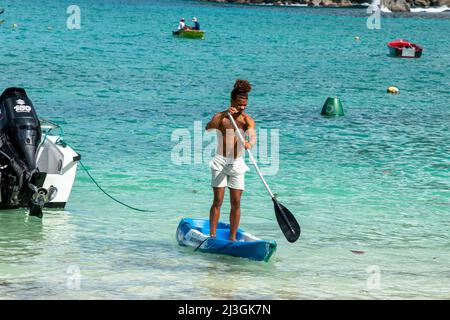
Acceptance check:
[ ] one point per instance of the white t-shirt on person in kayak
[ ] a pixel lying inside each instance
(181, 25)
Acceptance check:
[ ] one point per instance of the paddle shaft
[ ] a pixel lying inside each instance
(280, 209)
(238, 132)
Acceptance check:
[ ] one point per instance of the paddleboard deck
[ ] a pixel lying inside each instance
(195, 233)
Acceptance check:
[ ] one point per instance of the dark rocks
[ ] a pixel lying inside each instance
(393, 5)
(397, 5)
(422, 3)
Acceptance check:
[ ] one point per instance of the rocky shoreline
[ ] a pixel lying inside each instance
(392, 5)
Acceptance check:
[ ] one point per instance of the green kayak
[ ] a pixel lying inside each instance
(191, 34)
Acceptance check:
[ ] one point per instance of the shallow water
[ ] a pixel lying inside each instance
(375, 180)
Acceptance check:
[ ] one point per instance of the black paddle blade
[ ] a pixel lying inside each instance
(287, 222)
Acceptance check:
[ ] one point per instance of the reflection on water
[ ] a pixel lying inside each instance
(20, 235)
(31, 247)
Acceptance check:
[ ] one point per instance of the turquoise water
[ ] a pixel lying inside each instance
(376, 180)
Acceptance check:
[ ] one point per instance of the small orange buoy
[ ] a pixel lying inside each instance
(393, 90)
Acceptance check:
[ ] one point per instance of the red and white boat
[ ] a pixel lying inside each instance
(404, 49)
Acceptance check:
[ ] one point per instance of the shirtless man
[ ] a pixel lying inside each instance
(228, 167)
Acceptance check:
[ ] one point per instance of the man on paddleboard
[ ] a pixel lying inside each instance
(228, 167)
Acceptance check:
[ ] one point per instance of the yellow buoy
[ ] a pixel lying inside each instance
(393, 90)
(15, 25)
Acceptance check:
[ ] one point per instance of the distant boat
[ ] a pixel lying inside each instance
(191, 34)
(404, 49)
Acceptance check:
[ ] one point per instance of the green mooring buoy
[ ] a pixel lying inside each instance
(332, 107)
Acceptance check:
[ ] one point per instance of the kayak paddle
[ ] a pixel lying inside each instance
(285, 218)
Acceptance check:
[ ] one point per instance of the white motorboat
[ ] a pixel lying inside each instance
(37, 168)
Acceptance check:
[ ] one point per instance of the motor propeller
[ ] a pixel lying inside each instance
(40, 197)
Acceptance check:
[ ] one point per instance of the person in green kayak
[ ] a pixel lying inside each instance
(181, 25)
(228, 167)
(196, 24)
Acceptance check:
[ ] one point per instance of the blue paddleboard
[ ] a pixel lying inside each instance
(195, 233)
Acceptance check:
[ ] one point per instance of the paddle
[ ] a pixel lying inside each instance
(286, 220)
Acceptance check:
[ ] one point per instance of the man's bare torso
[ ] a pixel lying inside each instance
(228, 144)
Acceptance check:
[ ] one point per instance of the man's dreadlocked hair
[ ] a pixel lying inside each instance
(241, 89)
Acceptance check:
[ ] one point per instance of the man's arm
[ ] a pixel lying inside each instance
(215, 122)
(250, 133)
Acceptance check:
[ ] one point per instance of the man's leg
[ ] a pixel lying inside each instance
(214, 213)
(235, 214)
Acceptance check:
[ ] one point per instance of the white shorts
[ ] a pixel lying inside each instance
(226, 172)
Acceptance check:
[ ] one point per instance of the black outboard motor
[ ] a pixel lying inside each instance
(19, 121)
(20, 134)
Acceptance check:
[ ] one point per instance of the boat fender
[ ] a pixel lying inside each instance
(393, 90)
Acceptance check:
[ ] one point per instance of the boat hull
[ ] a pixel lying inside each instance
(190, 34)
(404, 49)
(59, 163)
